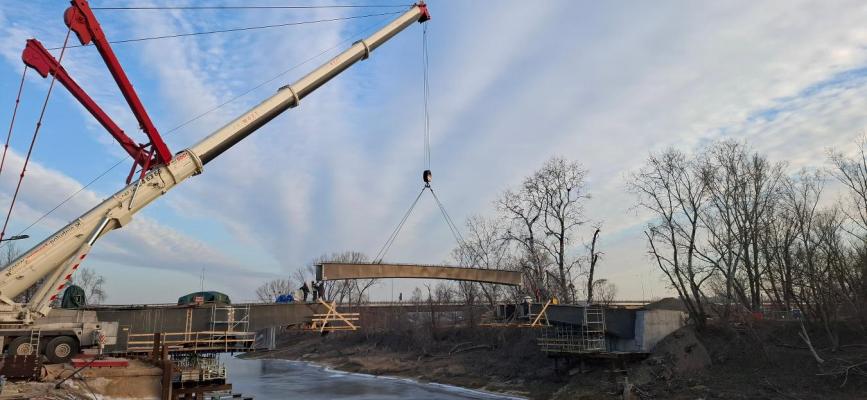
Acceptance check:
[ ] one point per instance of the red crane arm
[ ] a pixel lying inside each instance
(80, 19)
(37, 57)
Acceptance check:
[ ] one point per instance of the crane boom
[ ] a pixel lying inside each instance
(58, 256)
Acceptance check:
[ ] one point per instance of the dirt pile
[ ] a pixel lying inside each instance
(678, 354)
(668, 303)
(762, 360)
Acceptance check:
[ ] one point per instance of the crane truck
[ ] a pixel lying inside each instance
(36, 327)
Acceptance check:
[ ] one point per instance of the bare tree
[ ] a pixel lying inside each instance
(270, 290)
(594, 257)
(92, 283)
(742, 192)
(469, 291)
(417, 297)
(561, 183)
(606, 292)
(542, 217)
(484, 247)
(523, 210)
(670, 186)
(852, 172)
(344, 291)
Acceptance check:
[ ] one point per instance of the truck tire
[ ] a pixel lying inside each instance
(20, 346)
(61, 349)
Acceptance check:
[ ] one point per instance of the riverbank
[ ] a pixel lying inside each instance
(761, 362)
(504, 361)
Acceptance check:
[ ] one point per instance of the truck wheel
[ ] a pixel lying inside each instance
(61, 349)
(20, 346)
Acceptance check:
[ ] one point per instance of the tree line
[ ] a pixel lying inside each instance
(732, 230)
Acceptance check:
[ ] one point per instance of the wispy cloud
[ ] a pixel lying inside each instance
(512, 84)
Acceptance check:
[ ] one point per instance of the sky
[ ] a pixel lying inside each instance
(512, 83)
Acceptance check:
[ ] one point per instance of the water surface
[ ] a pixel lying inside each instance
(284, 379)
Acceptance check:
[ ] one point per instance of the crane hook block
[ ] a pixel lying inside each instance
(426, 176)
(425, 14)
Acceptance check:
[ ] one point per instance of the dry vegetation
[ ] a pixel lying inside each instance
(743, 360)
(734, 234)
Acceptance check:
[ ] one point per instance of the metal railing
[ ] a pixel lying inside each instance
(194, 342)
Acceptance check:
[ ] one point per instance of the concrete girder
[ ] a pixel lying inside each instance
(337, 271)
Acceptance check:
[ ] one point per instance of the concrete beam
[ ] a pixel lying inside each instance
(338, 271)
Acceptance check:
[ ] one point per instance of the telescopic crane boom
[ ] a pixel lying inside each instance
(57, 257)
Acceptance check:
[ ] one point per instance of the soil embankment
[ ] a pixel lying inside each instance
(759, 362)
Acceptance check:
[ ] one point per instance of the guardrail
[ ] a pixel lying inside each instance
(192, 342)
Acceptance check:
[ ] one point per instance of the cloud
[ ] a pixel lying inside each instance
(512, 85)
(143, 243)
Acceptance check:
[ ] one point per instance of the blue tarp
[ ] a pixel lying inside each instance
(285, 298)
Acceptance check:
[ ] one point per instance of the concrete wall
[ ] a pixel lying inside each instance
(650, 327)
(653, 325)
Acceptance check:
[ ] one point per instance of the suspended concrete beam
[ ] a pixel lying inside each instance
(338, 271)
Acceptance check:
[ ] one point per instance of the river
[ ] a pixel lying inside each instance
(284, 379)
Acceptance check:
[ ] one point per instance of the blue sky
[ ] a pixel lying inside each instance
(513, 83)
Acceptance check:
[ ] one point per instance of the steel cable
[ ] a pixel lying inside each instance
(140, 8)
(12, 122)
(33, 140)
(387, 246)
(248, 28)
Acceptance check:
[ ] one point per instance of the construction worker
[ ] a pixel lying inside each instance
(315, 290)
(305, 290)
(321, 289)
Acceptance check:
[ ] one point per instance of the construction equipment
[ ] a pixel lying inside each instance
(55, 259)
(333, 320)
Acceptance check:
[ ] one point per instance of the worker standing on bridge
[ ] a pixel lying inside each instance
(320, 287)
(305, 290)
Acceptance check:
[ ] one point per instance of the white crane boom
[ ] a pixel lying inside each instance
(57, 257)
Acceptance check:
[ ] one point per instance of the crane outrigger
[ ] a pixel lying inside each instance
(56, 258)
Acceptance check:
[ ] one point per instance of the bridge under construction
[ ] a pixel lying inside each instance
(330, 271)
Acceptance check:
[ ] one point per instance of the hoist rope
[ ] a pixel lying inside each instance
(12, 122)
(197, 117)
(249, 7)
(387, 246)
(248, 28)
(425, 66)
(453, 228)
(33, 140)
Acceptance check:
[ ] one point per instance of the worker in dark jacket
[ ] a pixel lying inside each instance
(306, 290)
(321, 288)
(315, 289)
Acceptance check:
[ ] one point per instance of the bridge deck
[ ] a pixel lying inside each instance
(337, 271)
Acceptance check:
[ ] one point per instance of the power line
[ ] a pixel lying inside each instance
(137, 8)
(248, 28)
